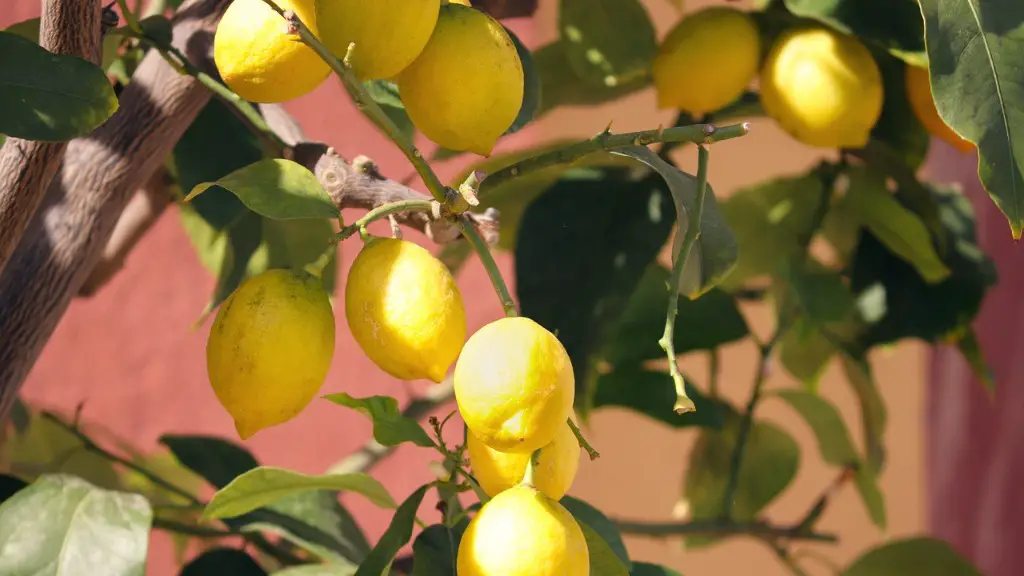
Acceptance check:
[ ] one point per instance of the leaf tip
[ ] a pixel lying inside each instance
(1016, 227)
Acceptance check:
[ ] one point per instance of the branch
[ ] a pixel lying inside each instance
(67, 235)
(761, 530)
(27, 167)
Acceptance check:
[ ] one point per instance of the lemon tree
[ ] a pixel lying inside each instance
(623, 262)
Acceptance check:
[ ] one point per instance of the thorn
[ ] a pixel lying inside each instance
(347, 60)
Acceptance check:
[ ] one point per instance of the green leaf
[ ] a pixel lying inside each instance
(592, 518)
(390, 428)
(582, 248)
(915, 555)
(594, 42)
(826, 422)
(64, 521)
(820, 293)
(715, 313)
(316, 519)
(646, 569)
(217, 460)
(46, 447)
(898, 126)
(560, 85)
(239, 246)
(436, 550)
(223, 561)
(872, 409)
(531, 86)
(770, 463)
(715, 252)
(969, 346)
(805, 352)
(323, 552)
(385, 93)
(899, 229)
(50, 97)
(265, 485)
(296, 244)
(978, 85)
(396, 536)
(866, 482)
(276, 188)
(318, 570)
(653, 394)
(603, 561)
(900, 31)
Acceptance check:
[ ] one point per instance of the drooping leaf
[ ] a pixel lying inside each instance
(217, 460)
(872, 408)
(603, 561)
(593, 518)
(223, 561)
(64, 521)
(900, 31)
(596, 47)
(805, 352)
(317, 518)
(230, 253)
(915, 555)
(582, 248)
(710, 321)
(275, 188)
(968, 345)
(295, 244)
(647, 569)
(266, 484)
(819, 292)
(396, 536)
(50, 97)
(385, 94)
(826, 422)
(315, 548)
(715, 252)
(866, 481)
(653, 394)
(435, 551)
(561, 85)
(390, 428)
(531, 86)
(45, 447)
(978, 85)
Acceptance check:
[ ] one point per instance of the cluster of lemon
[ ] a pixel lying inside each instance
(271, 345)
(457, 70)
(821, 86)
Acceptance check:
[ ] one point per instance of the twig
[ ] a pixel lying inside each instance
(683, 403)
(818, 508)
(697, 134)
(470, 232)
(386, 211)
(783, 553)
(761, 530)
(594, 454)
(192, 530)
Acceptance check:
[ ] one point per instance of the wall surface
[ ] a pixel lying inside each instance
(129, 355)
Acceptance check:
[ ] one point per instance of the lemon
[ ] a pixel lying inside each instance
(707, 60)
(270, 347)
(522, 532)
(498, 471)
(514, 385)
(404, 309)
(259, 60)
(388, 34)
(919, 94)
(822, 87)
(465, 90)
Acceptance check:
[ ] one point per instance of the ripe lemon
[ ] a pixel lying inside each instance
(707, 60)
(270, 347)
(522, 532)
(919, 94)
(259, 60)
(389, 34)
(498, 471)
(514, 385)
(466, 87)
(404, 309)
(822, 87)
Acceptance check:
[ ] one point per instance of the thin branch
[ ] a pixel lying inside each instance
(761, 530)
(480, 245)
(192, 530)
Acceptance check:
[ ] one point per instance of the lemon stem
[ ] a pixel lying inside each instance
(383, 211)
(530, 477)
(594, 454)
(366, 104)
(683, 403)
(470, 232)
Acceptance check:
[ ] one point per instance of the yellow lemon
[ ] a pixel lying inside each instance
(270, 347)
(404, 309)
(498, 471)
(259, 60)
(463, 2)
(388, 34)
(465, 90)
(514, 385)
(707, 60)
(522, 532)
(823, 87)
(919, 94)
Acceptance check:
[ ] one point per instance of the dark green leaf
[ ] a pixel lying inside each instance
(603, 561)
(47, 96)
(315, 517)
(390, 428)
(646, 569)
(62, 520)
(266, 484)
(595, 45)
(978, 85)
(819, 293)
(560, 85)
(237, 247)
(804, 352)
(916, 555)
(898, 126)
(531, 86)
(872, 409)
(653, 394)
(21, 415)
(436, 550)
(396, 536)
(276, 188)
(714, 254)
(217, 460)
(296, 244)
(708, 322)
(969, 346)
(593, 518)
(223, 561)
(582, 248)
(826, 422)
(866, 482)
(158, 28)
(900, 31)
(9, 486)
(385, 93)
